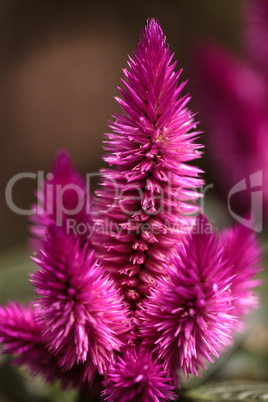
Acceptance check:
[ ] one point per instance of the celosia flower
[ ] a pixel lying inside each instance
(242, 255)
(21, 336)
(62, 199)
(81, 311)
(79, 327)
(143, 201)
(189, 317)
(136, 377)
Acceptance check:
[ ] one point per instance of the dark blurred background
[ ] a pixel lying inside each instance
(60, 63)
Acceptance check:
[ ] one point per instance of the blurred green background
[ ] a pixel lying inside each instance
(60, 64)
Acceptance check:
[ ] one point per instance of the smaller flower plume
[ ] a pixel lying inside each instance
(21, 336)
(242, 254)
(189, 317)
(232, 99)
(62, 199)
(136, 377)
(81, 311)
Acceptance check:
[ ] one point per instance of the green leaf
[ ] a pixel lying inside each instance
(229, 391)
(56, 394)
(14, 388)
(14, 276)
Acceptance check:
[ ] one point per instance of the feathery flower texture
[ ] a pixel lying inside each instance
(190, 317)
(82, 310)
(63, 196)
(136, 377)
(146, 193)
(154, 293)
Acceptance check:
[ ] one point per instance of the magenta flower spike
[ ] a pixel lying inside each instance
(188, 318)
(62, 199)
(136, 377)
(144, 199)
(81, 311)
(233, 102)
(21, 336)
(232, 96)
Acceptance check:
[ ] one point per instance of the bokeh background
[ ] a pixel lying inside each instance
(60, 64)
